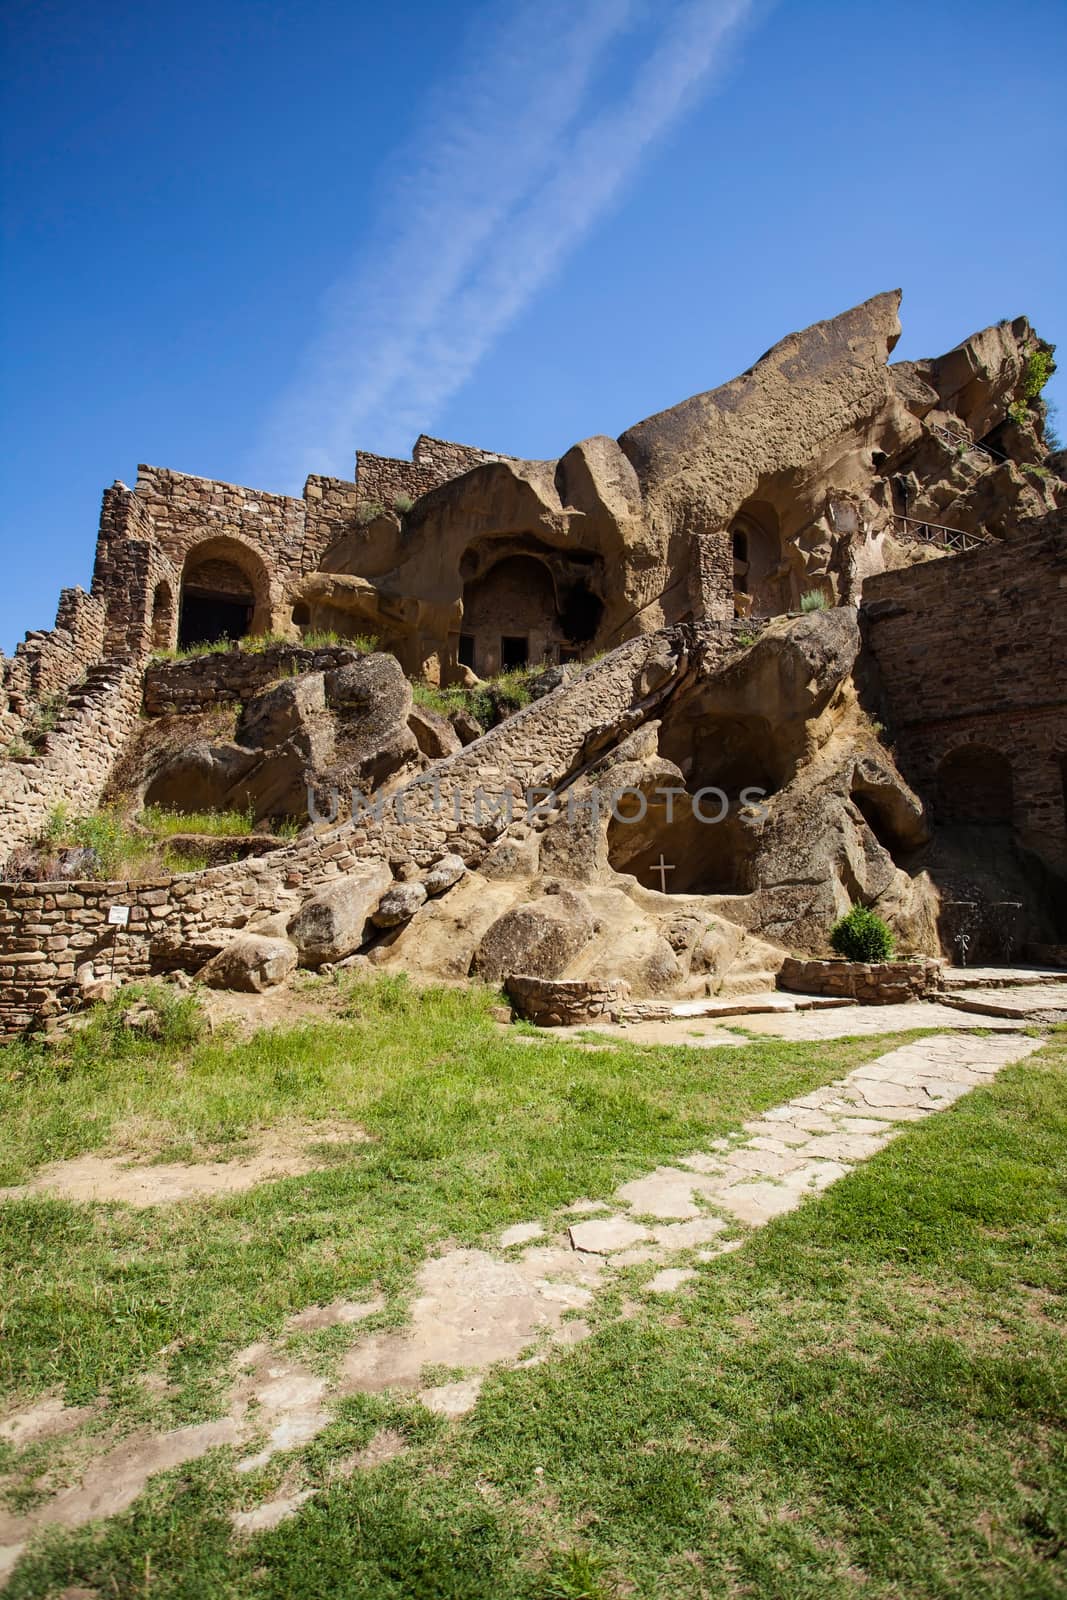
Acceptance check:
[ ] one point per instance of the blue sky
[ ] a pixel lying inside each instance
(244, 239)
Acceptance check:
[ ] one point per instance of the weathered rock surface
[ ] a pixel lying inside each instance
(332, 923)
(399, 904)
(537, 939)
(250, 964)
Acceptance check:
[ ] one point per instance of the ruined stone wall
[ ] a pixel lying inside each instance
(47, 930)
(200, 683)
(48, 661)
(76, 760)
(434, 461)
(972, 652)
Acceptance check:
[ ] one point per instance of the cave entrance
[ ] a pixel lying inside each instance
(509, 615)
(762, 583)
(223, 587)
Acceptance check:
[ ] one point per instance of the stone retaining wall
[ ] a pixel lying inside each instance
(200, 683)
(879, 983)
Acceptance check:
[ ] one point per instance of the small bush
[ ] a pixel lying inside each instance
(814, 600)
(1039, 368)
(403, 504)
(369, 511)
(862, 936)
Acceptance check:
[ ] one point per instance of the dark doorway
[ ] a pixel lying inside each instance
(514, 651)
(581, 614)
(208, 618)
(465, 653)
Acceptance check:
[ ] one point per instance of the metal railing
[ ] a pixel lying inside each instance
(936, 533)
(960, 440)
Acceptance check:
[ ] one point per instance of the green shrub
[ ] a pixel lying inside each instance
(814, 600)
(1039, 369)
(369, 511)
(403, 504)
(862, 936)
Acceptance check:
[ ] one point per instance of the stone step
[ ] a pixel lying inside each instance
(738, 1005)
(1037, 1002)
(1020, 977)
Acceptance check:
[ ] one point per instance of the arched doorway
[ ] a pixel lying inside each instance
(974, 786)
(224, 593)
(762, 585)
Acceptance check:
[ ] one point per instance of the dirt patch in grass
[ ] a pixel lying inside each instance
(103, 1178)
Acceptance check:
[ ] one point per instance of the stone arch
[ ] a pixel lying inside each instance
(225, 592)
(975, 785)
(762, 585)
(163, 620)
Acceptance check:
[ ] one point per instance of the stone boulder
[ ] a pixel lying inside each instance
(252, 963)
(434, 734)
(332, 924)
(399, 904)
(538, 939)
(371, 703)
(293, 708)
(444, 873)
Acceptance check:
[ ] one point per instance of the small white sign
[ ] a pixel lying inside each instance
(118, 916)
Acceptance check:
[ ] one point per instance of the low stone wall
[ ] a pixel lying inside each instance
(564, 1002)
(879, 983)
(200, 683)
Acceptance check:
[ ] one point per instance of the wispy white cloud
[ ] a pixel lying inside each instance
(513, 163)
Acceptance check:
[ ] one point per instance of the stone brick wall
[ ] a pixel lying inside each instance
(434, 461)
(48, 661)
(76, 760)
(47, 930)
(201, 682)
(972, 652)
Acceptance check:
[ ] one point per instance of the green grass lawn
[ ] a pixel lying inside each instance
(868, 1399)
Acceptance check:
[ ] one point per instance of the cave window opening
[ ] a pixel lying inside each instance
(514, 651)
(465, 653)
(740, 544)
(301, 615)
(880, 825)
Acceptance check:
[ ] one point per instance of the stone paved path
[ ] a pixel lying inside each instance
(477, 1308)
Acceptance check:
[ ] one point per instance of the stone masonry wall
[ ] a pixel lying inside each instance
(47, 930)
(48, 661)
(434, 461)
(972, 651)
(202, 682)
(77, 757)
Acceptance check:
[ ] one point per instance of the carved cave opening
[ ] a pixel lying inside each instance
(762, 582)
(525, 608)
(708, 831)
